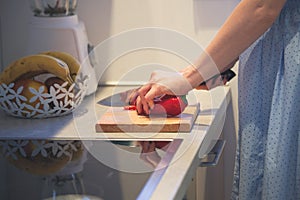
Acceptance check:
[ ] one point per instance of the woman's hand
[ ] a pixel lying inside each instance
(161, 83)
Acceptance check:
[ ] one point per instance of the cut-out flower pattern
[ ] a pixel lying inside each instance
(60, 99)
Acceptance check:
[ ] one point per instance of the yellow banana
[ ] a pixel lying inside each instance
(72, 62)
(32, 65)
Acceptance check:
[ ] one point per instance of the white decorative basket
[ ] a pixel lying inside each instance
(58, 101)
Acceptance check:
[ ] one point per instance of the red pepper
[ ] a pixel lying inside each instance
(130, 107)
(169, 105)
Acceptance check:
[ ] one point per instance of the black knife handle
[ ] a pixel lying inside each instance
(226, 75)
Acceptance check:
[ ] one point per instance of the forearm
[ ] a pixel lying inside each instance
(249, 20)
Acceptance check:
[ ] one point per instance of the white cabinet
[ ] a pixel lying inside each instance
(215, 182)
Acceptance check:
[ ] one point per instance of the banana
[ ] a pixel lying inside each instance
(72, 62)
(32, 65)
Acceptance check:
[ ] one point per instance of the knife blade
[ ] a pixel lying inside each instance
(120, 99)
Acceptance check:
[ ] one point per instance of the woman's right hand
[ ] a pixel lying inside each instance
(161, 83)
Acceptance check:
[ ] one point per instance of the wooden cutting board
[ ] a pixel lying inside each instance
(120, 120)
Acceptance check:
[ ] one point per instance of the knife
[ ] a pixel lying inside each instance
(120, 99)
(128, 97)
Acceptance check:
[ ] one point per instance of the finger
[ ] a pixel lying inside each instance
(139, 106)
(145, 106)
(144, 89)
(132, 96)
(139, 101)
(152, 93)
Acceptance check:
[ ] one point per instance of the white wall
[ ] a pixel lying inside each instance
(197, 19)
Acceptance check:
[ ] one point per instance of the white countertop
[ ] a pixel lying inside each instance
(181, 164)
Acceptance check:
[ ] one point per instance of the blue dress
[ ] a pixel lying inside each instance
(268, 153)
